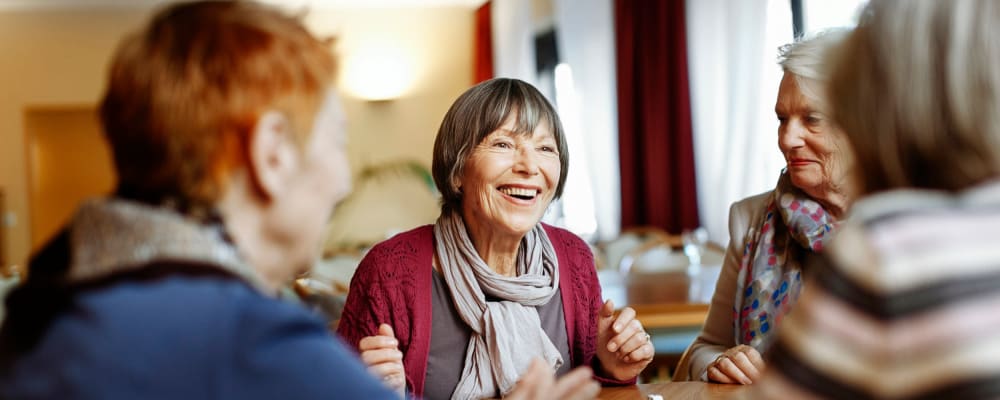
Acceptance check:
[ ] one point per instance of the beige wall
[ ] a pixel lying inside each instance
(58, 58)
(68, 162)
(49, 59)
(436, 44)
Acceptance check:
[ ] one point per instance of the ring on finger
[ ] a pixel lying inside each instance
(647, 337)
(719, 359)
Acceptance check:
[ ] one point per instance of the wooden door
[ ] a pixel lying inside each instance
(68, 161)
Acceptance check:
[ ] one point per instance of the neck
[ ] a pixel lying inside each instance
(497, 249)
(835, 202)
(244, 223)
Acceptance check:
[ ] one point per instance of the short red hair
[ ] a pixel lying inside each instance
(184, 94)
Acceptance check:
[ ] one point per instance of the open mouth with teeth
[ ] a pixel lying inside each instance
(519, 193)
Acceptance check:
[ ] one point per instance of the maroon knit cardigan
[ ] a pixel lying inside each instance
(393, 285)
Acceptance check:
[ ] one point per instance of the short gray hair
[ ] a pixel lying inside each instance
(806, 60)
(477, 113)
(916, 88)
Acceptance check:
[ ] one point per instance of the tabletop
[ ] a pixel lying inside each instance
(671, 300)
(674, 390)
(663, 299)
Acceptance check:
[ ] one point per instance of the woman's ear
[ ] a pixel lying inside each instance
(273, 156)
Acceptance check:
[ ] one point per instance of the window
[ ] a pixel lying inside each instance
(575, 210)
(812, 16)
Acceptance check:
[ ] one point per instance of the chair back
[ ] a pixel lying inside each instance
(628, 240)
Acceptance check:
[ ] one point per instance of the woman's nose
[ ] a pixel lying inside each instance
(525, 162)
(790, 136)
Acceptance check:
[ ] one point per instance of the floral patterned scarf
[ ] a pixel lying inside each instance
(770, 276)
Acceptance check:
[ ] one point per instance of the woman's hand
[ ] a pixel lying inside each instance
(382, 356)
(539, 382)
(741, 364)
(623, 347)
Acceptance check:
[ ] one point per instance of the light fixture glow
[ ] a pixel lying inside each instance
(377, 72)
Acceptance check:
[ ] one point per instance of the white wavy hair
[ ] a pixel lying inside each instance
(806, 59)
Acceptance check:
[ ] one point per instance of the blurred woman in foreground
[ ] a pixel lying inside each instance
(904, 302)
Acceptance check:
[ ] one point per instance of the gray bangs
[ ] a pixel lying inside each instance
(529, 106)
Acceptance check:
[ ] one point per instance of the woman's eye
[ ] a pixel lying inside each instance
(502, 145)
(548, 149)
(814, 119)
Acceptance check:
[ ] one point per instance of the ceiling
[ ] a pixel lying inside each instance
(296, 4)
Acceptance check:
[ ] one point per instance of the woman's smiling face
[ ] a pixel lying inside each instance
(510, 178)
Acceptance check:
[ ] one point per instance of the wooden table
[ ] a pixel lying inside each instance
(674, 390)
(679, 315)
(672, 306)
(671, 299)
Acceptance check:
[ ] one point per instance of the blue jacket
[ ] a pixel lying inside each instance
(187, 337)
(165, 329)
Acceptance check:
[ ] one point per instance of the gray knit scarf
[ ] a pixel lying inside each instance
(114, 235)
(506, 334)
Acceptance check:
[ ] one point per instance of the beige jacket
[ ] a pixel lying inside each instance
(717, 335)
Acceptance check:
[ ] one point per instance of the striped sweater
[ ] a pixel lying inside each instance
(905, 304)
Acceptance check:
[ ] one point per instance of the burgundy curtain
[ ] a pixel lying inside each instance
(482, 64)
(654, 116)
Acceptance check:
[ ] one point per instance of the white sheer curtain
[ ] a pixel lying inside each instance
(585, 38)
(825, 14)
(732, 61)
(513, 40)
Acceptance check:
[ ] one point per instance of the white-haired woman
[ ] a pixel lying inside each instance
(903, 304)
(772, 233)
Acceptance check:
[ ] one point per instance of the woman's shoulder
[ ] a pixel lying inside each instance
(417, 239)
(399, 253)
(561, 237)
(570, 245)
(131, 320)
(744, 213)
(211, 304)
(751, 204)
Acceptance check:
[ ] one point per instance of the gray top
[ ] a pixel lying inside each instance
(450, 339)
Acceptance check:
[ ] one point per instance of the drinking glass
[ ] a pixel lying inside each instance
(695, 242)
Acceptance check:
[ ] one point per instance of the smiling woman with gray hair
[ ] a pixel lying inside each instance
(500, 285)
(773, 232)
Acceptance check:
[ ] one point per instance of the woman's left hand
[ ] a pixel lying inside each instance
(623, 347)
